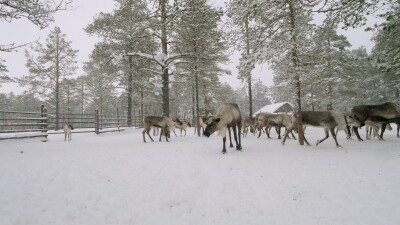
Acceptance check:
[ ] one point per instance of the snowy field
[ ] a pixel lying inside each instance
(116, 179)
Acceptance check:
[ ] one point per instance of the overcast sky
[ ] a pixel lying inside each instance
(72, 23)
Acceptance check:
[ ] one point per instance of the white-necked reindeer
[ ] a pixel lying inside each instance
(227, 116)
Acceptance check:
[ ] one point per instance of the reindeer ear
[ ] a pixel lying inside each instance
(217, 120)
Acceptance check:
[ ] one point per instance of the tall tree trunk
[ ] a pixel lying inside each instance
(246, 23)
(295, 61)
(141, 104)
(57, 99)
(130, 92)
(164, 47)
(196, 81)
(330, 85)
(193, 104)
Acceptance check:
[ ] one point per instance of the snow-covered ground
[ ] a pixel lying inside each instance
(115, 178)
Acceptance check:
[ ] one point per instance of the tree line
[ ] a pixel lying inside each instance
(163, 57)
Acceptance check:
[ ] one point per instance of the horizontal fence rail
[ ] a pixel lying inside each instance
(39, 124)
(23, 124)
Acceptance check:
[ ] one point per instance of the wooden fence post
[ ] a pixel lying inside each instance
(97, 122)
(43, 114)
(117, 119)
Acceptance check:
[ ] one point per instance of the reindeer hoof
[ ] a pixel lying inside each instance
(230, 146)
(238, 147)
(223, 152)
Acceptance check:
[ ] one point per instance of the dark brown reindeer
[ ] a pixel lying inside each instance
(166, 124)
(227, 116)
(384, 113)
(328, 120)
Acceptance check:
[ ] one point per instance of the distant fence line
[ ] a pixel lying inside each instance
(38, 124)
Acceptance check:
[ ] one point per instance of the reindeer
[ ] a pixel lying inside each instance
(278, 121)
(182, 127)
(202, 123)
(189, 119)
(227, 116)
(163, 122)
(68, 131)
(384, 113)
(329, 120)
(248, 123)
(372, 128)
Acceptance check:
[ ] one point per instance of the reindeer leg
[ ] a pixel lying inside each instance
(235, 135)
(230, 138)
(398, 129)
(286, 135)
(268, 130)
(335, 137)
(278, 130)
(148, 134)
(259, 133)
(326, 136)
(223, 145)
(355, 129)
(161, 133)
(305, 140)
(294, 137)
(383, 128)
(239, 147)
(368, 131)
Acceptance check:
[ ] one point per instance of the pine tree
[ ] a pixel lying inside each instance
(204, 42)
(125, 30)
(48, 66)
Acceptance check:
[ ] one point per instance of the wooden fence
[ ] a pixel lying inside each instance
(23, 124)
(40, 124)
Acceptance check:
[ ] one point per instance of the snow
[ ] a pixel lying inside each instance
(160, 58)
(115, 178)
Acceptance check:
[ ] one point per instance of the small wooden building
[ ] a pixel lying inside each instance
(281, 107)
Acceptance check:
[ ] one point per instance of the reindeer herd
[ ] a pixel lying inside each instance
(228, 118)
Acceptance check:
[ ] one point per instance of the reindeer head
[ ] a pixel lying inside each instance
(212, 126)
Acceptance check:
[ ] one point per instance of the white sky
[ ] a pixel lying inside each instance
(72, 23)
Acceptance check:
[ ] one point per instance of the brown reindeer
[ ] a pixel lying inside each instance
(384, 113)
(227, 116)
(248, 123)
(278, 121)
(166, 124)
(328, 120)
(202, 123)
(181, 127)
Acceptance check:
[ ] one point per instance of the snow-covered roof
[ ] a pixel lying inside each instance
(272, 108)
